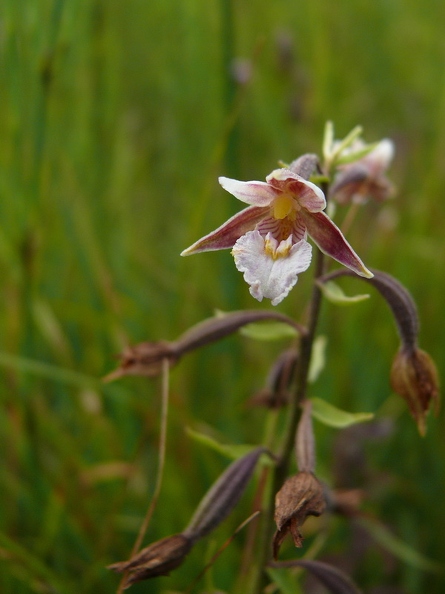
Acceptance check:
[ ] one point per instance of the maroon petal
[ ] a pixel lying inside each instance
(228, 234)
(332, 242)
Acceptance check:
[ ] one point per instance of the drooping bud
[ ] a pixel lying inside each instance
(157, 559)
(414, 377)
(222, 497)
(305, 165)
(300, 496)
(146, 358)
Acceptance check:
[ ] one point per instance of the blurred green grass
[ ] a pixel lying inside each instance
(116, 120)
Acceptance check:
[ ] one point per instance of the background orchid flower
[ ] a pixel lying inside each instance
(365, 176)
(269, 236)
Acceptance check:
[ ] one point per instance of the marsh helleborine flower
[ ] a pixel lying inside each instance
(269, 236)
(365, 177)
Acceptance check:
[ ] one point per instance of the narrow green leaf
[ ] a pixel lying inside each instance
(31, 566)
(318, 359)
(332, 416)
(335, 294)
(268, 331)
(52, 372)
(233, 452)
(398, 547)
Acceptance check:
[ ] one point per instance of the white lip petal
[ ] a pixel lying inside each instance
(270, 277)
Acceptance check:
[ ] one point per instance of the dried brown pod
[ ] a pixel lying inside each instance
(414, 377)
(157, 559)
(301, 496)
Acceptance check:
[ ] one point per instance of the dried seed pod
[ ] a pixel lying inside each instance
(301, 496)
(414, 377)
(157, 559)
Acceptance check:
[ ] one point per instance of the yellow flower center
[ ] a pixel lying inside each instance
(281, 251)
(283, 206)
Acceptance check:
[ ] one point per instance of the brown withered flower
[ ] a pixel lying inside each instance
(301, 496)
(414, 377)
(157, 559)
(145, 359)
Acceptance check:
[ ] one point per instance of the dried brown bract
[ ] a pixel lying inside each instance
(300, 496)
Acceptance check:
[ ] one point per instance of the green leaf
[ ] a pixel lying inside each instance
(231, 451)
(46, 370)
(334, 294)
(268, 331)
(332, 416)
(398, 548)
(318, 359)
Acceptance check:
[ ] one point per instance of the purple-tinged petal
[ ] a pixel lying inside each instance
(281, 229)
(270, 268)
(332, 242)
(255, 193)
(307, 194)
(225, 236)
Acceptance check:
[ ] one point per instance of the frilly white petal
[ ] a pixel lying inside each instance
(270, 277)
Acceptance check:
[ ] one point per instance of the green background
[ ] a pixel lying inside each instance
(116, 119)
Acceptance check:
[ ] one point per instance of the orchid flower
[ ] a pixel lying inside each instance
(269, 236)
(364, 177)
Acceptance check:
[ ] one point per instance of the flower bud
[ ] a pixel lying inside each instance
(222, 497)
(305, 440)
(301, 496)
(414, 377)
(364, 177)
(305, 165)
